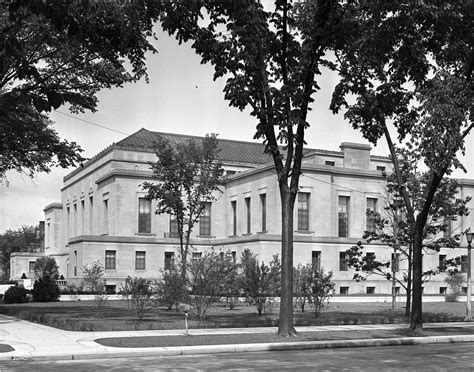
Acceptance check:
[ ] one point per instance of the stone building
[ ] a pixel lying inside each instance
(103, 214)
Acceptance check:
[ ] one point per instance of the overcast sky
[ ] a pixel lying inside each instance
(181, 97)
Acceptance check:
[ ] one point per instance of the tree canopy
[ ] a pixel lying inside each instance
(409, 66)
(55, 53)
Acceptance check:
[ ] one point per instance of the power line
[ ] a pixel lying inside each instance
(92, 123)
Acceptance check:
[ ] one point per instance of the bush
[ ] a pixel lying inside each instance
(15, 295)
(138, 293)
(45, 290)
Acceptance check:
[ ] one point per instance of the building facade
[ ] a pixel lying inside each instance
(104, 215)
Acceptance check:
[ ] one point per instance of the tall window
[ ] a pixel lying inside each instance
(205, 221)
(343, 266)
(395, 262)
(169, 258)
(140, 260)
(371, 206)
(247, 209)
(442, 262)
(91, 214)
(173, 227)
(110, 260)
(464, 264)
(83, 212)
(75, 263)
(263, 207)
(303, 211)
(448, 226)
(233, 205)
(31, 266)
(316, 260)
(68, 222)
(144, 215)
(343, 216)
(106, 216)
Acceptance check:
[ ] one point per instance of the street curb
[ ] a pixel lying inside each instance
(240, 348)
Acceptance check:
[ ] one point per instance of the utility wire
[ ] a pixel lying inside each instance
(92, 123)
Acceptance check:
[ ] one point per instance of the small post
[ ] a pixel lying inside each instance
(184, 308)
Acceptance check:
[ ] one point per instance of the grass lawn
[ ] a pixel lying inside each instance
(82, 315)
(193, 340)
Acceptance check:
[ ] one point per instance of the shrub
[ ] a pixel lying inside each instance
(320, 289)
(45, 289)
(15, 295)
(171, 290)
(138, 294)
(455, 281)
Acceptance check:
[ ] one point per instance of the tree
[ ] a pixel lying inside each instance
(46, 266)
(55, 53)
(301, 290)
(258, 281)
(25, 239)
(269, 57)
(454, 280)
(320, 289)
(190, 176)
(206, 277)
(138, 293)
(93, 277)
(409, 67)
(171, 289)
(392, 227)
(45, 289)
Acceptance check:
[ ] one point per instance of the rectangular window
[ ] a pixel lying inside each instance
(140, 260)
(343, 216)
(448, 228)
(442, 262)
(234, 256)
(380, 168)
(169, 259)
(74, 224)
(263, 207)
(344, 290)
(397, 290)
(68, 222)
(174, 233)
(31, 266)
(464, 264)
(247, 209)
(330, 163)
(110, 260)
(197, 255)
(106, 217)
(144, 216)
(464, 290)
(316, 260)
(343, 264)
(83, 212)
(233, 205)
(91, 215)
(303, 211)
(205, 220)
(75, 263)
(372, 207)
(443, 290)
(395, 262)
(370, 290)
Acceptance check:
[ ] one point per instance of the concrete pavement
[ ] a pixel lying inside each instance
(36, 341)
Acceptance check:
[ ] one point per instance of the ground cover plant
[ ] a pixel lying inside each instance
(80, 316)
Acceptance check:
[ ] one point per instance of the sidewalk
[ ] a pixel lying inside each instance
(35, 341)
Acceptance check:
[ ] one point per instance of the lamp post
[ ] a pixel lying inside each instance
(469, 236)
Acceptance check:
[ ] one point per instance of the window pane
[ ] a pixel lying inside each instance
(173, 227)
(343, 261)
(233, 205)
(316, 260)
(110, 259)
(343, 216)
(205, 221)
(140, 260)
(371, 206)
(263, 205)
(144, 215)
(169, 258)
(303, 211)
(247, 207)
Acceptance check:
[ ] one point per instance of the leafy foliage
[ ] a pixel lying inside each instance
(15, 295)
(45, 289)
(25, 239)
(259, 281)
(171, 289)
(455, 280)
(189, 177)
(58, 53)
(320, 289)
(93, 277)
(206, 279)
(46, 266)
(301, 290)
(138, 294)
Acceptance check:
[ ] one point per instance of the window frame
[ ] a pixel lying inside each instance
(303, 211)
(144, 215)
(110, 260)
(140, 262)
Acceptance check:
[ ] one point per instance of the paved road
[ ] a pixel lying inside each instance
(442, 357)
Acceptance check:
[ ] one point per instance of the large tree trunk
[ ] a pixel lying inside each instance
(286, 327)
(416, 320)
